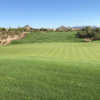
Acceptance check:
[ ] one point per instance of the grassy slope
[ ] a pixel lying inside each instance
(43, 37)
(50, 71)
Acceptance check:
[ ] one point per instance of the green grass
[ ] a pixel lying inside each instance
(48, 37)
(50, 70)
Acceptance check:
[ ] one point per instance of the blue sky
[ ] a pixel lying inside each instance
(49, 13)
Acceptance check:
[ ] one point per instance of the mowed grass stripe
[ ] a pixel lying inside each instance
(64, 51)
(51, 50)
(86, 53)
(81, 53)
(71, 51)
(68, 52)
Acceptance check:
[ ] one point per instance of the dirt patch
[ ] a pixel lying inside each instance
(87, 40)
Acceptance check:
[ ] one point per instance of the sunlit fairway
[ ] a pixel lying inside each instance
(50, 70)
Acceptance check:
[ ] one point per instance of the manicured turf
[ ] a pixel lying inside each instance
(50, 71)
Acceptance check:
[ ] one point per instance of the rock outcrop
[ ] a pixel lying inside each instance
(10, 38)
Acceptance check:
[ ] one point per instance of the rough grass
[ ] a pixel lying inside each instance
(50, 71)
(48, 37)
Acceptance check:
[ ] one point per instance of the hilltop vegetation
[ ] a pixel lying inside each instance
(7, 35)
(10, 34)
(60, 34)
(90, 33)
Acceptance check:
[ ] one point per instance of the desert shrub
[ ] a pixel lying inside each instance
(90, 33)
(20, 29)
(3, 35)
(2, 29)
(88, 29)
(11, 29)
(97, 30)
(97, 36)
(81, 34)
(43, 29)
(35, 30)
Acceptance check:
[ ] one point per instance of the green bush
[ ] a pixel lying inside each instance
(81, 34)
(43, 29)
(2, 29)
(89, 32)
(97, 36)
